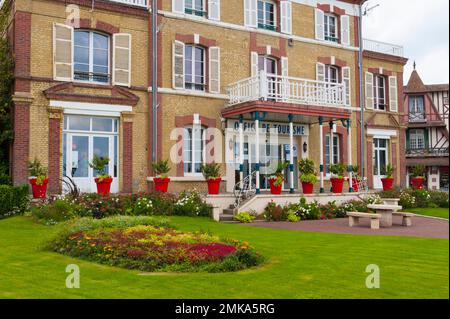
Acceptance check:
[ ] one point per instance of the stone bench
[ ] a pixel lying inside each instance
(407, 218)
(353, 219)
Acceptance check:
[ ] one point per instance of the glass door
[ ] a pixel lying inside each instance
(380, 160)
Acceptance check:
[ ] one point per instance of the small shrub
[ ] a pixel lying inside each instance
(191, 204)
(50, 214)
(337, 170)
(293, 217)
(308, 211)
(407, 200)
(211, 171)
(439, 198)
(244, 217)
(143, 206)
(161, 168)
(274, 212)
(13, 200)
(99, 165)
(392, 193)
(422, 197)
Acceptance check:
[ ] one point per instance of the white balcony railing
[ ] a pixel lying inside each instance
(137, 3)
(286, 89)
(383, 47)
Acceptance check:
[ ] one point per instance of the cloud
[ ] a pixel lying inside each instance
(421, 27)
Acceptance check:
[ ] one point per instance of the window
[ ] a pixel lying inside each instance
(195, 7)
(91, 57)
(416, 109)
(336, 151)
(416, 139)
(194, 68)
(194, 145)
(330, 25)
(379, 92)
(266, 15)
(269, 65)
(380, 156)
(331, 74)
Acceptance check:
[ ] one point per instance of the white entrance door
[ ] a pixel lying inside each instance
(85, 137)
(380, 160)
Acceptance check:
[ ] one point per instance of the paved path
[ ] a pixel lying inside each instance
(422, 227)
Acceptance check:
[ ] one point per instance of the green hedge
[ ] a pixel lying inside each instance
(13, 200)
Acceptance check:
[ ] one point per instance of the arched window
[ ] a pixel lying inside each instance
(91, 56)
(194, 149)
(195, 68)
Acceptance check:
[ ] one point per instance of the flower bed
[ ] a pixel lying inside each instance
(151, 245)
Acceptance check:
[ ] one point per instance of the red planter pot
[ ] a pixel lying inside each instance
(355, 185)
(388, 183)
(214, 186)
(417, 182)
(161, 184)
(275, 190)
(337, 184)
(39, 191)
(104, 186)
(308, 188)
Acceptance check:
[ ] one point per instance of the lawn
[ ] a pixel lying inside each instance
(300, 265)
(435, 212)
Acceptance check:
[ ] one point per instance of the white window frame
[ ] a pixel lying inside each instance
(328, 69)
(416, 137)
(377, 148)
(275, 17)
(376, 93)
(413, 101)
(193, 159)
(193, 9)
(91, 57)
(193, 75)
(326, 27)
(336, 151)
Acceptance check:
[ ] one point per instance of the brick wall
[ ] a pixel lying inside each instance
(127, 157)
(21, 144)
(54, 155)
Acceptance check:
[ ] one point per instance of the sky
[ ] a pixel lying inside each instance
(421, 27)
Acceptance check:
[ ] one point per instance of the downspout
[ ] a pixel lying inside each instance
(154, 79)
(361, 93)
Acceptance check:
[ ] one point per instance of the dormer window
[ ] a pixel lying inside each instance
(330, 25)
(195, 7)
(267, 15)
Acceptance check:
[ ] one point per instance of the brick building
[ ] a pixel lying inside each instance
(227, 71)
(427, 133)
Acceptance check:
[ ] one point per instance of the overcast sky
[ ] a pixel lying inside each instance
(421, 26)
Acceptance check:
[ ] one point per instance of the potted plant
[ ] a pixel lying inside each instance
(211, 172)
(276, 180)
(337, 178)
(103, 179)
(355, 177)
(38, 178)
(161, 179)
(307, 175)
(388, 181)
(418, 176)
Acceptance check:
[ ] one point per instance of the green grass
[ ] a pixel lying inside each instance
(435, 212)
(300, 265)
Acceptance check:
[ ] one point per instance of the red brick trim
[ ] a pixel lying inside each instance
(106, 27)
(385, 57)
(327, 9)
(85, 24)
(394, 162)
(402, 140)
(377, 72)
(65, 92)
(54, 155)
(22, 50)
(278, 53)
(21, 143)
(343, 142)
(328, 60)
(369, 159)
(127, 157)
(190, 39)
(183, 121)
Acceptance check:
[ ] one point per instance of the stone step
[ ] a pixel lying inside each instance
(229, 211)
(225, 217)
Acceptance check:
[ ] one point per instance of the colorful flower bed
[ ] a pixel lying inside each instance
(149, 246)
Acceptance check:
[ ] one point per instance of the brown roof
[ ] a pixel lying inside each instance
(437, 87)
(415, 84)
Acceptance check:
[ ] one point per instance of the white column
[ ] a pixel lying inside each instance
(349, 150)
(322, 167)
(241, 149)
(291, 147)
(258, 188)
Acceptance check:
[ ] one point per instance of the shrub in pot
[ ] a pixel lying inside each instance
(103, 179)
(38, 178)
(307, 175)
(161, 179)
(337, 177)
(355, 177)
(418, 178)
(276, 180)
(211, 172)
(388, 181)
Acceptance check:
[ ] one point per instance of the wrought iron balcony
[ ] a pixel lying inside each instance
(383, 47)
(428, 152)
(137, 3)
(426, 118)
(285, 89)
